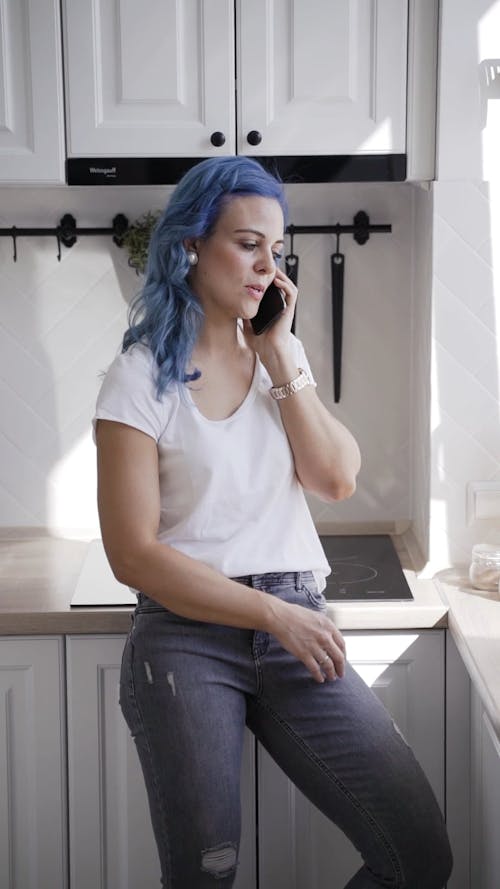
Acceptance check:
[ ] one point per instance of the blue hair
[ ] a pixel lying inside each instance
(167, 315)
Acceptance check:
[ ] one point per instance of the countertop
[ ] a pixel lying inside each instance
(474, 622)
(39, 573)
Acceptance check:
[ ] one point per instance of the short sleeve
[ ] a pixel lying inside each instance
(128, 394)
(301, 358)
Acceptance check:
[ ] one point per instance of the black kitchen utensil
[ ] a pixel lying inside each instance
(292, 268)
(337, 266)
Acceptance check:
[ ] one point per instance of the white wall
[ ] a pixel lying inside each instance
(465, 392)
(61, 324)
(465, 407)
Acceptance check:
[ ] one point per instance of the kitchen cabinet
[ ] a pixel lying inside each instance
(312, 78)
(469, 91)
(110, 835)
(321, 78)
(107, 842)
(485, 798)
(458, 757)
(111, 838)
(109, 847)
(31, 93)
(32, 764)
(154, 81)
(298, 846)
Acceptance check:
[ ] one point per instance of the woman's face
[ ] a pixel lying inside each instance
(238, 260)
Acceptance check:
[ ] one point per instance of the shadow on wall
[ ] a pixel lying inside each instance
(61, 326)
(29, 438)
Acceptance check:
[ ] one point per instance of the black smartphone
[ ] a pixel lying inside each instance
(271, 306)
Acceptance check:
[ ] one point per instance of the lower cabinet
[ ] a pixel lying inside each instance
(298, 847)
(111, 844)
(92, 828)
(32, 764)
(485, 799)
(111, 841)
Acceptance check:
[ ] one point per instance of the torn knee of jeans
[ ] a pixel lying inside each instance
(399, 732)
(219, 861)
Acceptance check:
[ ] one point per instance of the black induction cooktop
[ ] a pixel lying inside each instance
(364, 568)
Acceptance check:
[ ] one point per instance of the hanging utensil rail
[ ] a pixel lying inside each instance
(67, 233)
(361, 228)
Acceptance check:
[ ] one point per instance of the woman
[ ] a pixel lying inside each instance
(207, 437)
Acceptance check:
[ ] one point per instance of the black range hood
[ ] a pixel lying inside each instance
(290, 168)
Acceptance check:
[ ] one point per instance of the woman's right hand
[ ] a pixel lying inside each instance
(312, 637)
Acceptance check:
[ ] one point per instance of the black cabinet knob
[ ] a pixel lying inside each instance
(217, 139)
(254, 137)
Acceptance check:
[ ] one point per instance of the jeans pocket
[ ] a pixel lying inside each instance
(315, 598)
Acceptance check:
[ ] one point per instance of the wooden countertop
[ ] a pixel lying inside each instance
(39, 573)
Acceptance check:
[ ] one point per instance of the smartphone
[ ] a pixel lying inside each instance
(271, 306)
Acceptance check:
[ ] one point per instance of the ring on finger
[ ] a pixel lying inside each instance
(324, 660)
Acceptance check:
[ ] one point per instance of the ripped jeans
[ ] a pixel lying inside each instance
(187, 691)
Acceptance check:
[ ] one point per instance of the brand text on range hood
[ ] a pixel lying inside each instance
(290, 168)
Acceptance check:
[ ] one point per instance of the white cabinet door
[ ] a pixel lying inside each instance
(485, 799)
(111, 838)
(111, 844)
(149, 79)
(298, 846)
(316, 77)
(32, 764)
(31, 106)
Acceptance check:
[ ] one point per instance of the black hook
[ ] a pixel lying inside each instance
(291, 259)
(120, 226)
(14, 244)
(361, 232)
(67, 230)
(292, 268)
(58, 247)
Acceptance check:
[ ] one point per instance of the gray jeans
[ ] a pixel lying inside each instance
(187, 691)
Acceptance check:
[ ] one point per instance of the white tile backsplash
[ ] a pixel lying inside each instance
(62, 323)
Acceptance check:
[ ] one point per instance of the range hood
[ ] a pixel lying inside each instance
(290, 168)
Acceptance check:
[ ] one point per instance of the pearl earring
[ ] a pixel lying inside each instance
(192, 257)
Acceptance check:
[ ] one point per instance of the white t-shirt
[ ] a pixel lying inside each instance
(229, 495)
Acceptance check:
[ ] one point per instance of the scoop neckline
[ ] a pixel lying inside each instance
(241, 407)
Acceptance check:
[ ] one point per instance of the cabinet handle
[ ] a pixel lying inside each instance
(254, 137)
(217, 139)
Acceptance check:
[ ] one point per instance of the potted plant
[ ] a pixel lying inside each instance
(136, 240)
